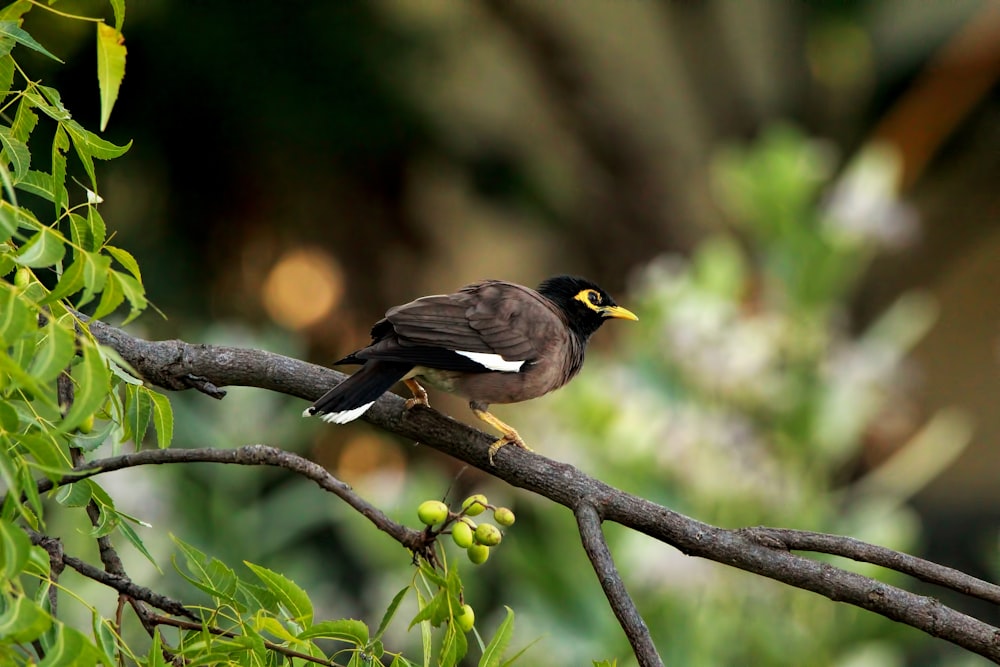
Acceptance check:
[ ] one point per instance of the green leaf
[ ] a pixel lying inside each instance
(17, 376)
(15, 315)
(494, 650)
(9, 223)
(15, 547)
(54, 352)
(431, 610)
(88, 442)
(111, 297)
(69, 649)
(23, 620)
(39, 184)
(210, 575)
(48, 451)
(155, 658)
(60, 145)
(12, 30)
(43, 249)
(119, 7)
(89, 146)
(426, 640)
(138, 411)
(80, 233)
(129, 532)
(49, 102)
(345, 630)
(6, 74)
(98, 230)
(390, 612)
(15, 10)
(125, 258)
(105, 637)
(16, 151)
(70, 283)
(91, 378)
(453, 647)
(289, 595)
(9, 421)
(133, 291)
(77, 494)
(163, 419)
(102, 149)
(96, 269)
(24, 121)
(111, 53)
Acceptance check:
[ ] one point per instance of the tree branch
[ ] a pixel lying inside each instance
(254, 455)
(171, 364)
(614, 588)
(848, 547)
(119, 582)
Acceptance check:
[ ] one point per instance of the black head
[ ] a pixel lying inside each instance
(585, 304)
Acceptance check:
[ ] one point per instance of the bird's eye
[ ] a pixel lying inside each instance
(594, 298)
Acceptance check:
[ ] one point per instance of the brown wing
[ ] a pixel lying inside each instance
(491, 317)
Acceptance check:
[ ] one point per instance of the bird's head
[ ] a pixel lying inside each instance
(585, 304)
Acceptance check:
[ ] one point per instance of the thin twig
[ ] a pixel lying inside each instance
(589, 522)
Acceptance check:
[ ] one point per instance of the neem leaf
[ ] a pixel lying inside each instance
(289, 595)
(163, 419)
(12, 30)
(91, 378)
(43, 249)
(55, 351)
(16, 151)
(110, 67)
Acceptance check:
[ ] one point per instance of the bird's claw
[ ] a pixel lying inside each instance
(508, 439)
(419, 394)
(415, 401)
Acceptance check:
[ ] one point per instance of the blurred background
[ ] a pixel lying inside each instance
(798, 199)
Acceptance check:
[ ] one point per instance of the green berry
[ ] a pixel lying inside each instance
(87, 425)
(22, 277)
(478, 553)
(431, 512)
(503, 516)
(466, 618)
(461, 532)
(487, 534)
(474, 505)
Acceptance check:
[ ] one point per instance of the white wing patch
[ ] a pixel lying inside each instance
(494, 362)
(341, 417)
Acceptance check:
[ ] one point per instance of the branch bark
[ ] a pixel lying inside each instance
(172, 364)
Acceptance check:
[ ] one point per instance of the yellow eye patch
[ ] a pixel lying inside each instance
(590, 297)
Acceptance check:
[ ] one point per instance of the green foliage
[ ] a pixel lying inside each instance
(65, 397)
(271, 614)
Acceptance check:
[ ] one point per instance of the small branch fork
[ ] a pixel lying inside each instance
(175, 364)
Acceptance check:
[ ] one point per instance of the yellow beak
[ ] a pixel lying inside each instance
(619, 313)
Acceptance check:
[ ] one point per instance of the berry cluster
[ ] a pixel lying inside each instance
(475, 539)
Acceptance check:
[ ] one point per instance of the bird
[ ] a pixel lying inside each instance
(491, 342)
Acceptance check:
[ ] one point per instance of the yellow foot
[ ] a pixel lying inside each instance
(419, 395)
(511, 438)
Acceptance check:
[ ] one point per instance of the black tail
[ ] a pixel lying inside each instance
(352, 397)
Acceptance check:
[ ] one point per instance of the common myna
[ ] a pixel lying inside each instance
(491, 342)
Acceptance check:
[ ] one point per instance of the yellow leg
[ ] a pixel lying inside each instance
(419, 394)
(510, 436)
